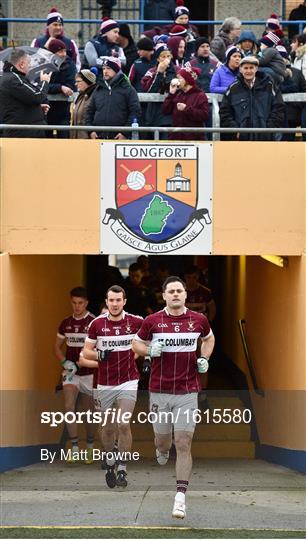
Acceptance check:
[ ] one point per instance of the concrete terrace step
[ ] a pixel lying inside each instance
(203, 432)
(207, 449)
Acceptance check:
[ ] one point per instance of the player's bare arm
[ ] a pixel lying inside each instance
(59, 342)
(88, 358)
(140, 348)
(83, 362)
(207, 346)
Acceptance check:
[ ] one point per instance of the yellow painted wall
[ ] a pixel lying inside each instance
(233, 308)
(276, 323)
(50, 197)
(275, 315)
(272, 301)
(50, 205)
(34, 299)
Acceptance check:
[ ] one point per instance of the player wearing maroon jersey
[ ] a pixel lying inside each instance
(174, 383)
(72, 332)
(199, 297)
(108, 348)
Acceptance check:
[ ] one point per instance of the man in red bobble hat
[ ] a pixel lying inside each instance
(55, 30)
(187, 104)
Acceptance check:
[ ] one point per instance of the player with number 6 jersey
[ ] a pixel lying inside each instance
(173, 335)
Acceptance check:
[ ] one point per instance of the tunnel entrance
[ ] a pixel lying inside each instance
(103, 271)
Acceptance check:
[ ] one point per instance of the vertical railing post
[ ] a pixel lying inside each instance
(215, 117)
(141, 17)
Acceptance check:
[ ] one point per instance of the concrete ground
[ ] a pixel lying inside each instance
(223, 494)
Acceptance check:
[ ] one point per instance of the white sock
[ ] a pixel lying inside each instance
(75, 448)
(110, 461)
(180, 497)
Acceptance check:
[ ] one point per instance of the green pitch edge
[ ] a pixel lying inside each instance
(131, 531)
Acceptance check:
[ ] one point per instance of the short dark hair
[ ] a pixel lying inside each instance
(16, 55)
(300, 38)
(134, 267)
(116, 289)
(80, 292)
(172, 279)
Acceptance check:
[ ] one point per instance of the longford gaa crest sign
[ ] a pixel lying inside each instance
(156, 198)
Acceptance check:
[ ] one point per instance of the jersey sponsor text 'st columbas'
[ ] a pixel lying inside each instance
(74, 331)
(175, 372)
(115, 336)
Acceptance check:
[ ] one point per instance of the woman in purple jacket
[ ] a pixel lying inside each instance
(226, 74)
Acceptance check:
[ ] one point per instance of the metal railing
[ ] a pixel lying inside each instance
(154, 129)
(141, 22)
(250, 364)
(253, 22)
(214, 99)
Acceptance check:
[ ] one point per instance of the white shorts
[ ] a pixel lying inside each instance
(82, 382)
(175, 410)
(106, 396)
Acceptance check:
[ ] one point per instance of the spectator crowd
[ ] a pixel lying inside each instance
(104, 82)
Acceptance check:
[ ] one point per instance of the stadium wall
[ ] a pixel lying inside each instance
(259, 204)
(50, 205)
(272, 301)
(34, 298)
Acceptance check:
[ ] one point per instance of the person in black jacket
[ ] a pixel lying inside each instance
(294, 82)
(158, 10)
(114, 102)
(205, 62)
(62, 84)
(297, 14)
(126, 42)
(20, 101)
(252, 101)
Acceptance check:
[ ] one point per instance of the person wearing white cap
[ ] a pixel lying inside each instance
(252, 101)
(104, 45)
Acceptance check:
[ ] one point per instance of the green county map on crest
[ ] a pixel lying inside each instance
(155, 216)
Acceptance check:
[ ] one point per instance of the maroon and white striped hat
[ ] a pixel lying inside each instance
(113, 63)
(270, 39)
(107, 25)
(181, 9)
(54, 16)
(178, 30)
(272, 22)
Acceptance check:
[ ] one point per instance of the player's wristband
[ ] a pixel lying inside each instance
(146, 366)
(103, 355)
